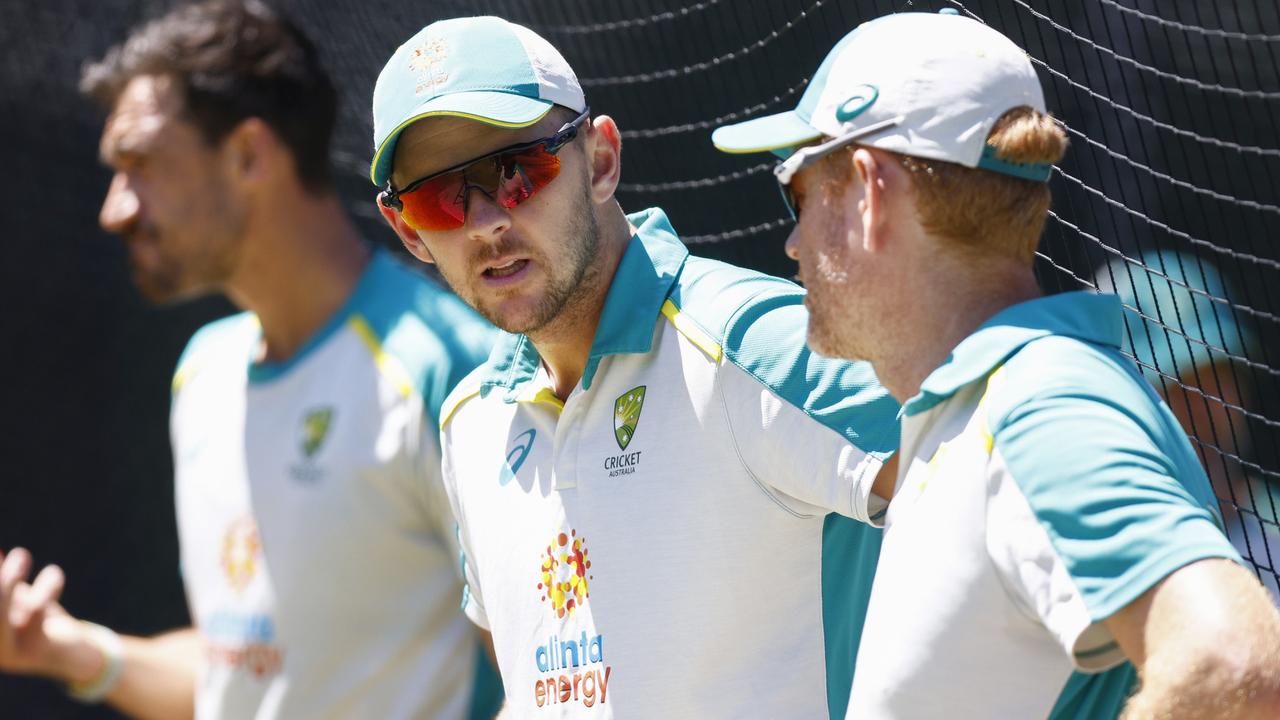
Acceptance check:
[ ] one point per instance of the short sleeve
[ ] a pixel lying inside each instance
(816, 430)
(472, 599)
(430, 479)
(1095, 496)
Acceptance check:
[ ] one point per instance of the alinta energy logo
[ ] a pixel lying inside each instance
(241, 553)
(626, 416)
(426, 60)
(236, 636)
(564, 573)
(573, 671)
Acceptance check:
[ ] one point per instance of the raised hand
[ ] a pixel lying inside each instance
(36, 633)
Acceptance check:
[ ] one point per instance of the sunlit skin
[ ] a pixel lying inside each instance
(168, 199)
(859, 245)
(542, 268)
(824, 242)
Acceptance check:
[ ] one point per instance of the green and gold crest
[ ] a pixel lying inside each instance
(626, 415)
(315, 426)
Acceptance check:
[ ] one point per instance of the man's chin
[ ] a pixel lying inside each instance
(164, 291)
(518, 321)
(823, 344)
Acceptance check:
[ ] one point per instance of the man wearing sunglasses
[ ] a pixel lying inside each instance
(1052, 529)
(316, 542)
(642, 470)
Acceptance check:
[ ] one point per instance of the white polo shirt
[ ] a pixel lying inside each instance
(653, 544)
(316, 540)
(1043, 486)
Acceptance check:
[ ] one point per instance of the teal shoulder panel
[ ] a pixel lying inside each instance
(850, 551)
(1095, 697)
(435, 336)
(1105, 467)
(761, 323)
(232, 334)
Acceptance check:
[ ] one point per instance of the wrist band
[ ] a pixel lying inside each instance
(108, 643)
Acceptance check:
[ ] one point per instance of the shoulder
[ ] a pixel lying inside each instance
(468, 390)
(220, 340)
(1067, 415)
(759, 325)
(721, 298)
(411, 321)
(1075, 375)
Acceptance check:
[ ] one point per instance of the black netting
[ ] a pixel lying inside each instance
(1169, 196)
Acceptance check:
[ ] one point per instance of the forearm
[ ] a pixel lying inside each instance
(159, 676)
(156, 675)
(1214, 688)
(1206, 642)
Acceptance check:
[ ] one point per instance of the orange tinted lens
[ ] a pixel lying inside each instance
(510, 179)
(438, 204)
(525, 173)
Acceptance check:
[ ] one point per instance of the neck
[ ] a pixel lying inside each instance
(301, 261)
(565, 343)
(948, 303)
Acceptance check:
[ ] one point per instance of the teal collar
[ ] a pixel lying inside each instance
(645, 276)
(1086, 316)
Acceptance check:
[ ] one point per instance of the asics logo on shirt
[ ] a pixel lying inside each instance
(516, 456)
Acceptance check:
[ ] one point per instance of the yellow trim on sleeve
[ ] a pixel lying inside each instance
(387, 364)
(988, 439)
(180, 377)
(447, 413)
(689, 328)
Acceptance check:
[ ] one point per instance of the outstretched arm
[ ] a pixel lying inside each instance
(155, 677)
(1206, 642)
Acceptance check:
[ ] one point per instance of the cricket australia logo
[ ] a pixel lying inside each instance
(315, 429)
(626, 416)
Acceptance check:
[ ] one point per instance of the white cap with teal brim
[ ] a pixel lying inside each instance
(937, 83)
(481, 68)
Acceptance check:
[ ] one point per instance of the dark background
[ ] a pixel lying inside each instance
(85, 475)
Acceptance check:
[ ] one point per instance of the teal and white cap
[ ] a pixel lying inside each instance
(482, 68)
(937, 81)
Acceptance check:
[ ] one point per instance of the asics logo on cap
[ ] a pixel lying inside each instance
(862, 98)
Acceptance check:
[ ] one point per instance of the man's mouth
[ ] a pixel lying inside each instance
(510, 267)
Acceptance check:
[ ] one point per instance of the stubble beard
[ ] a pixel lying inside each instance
(193, 267)
(565, 294)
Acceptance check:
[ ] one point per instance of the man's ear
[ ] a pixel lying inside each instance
(412, 242)
(251, 152)
(872, 208)
(604, 155)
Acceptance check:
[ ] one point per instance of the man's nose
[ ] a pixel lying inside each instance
(792, 246)
(121, 207)
(486, 219)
